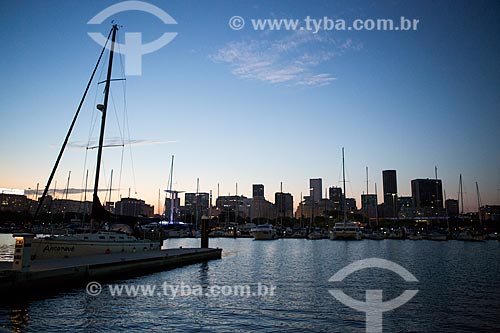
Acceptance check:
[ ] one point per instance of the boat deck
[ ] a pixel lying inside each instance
(61, 273)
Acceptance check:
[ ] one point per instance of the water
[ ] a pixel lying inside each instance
(7, 243)
(459, 291)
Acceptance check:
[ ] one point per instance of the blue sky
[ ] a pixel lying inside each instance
(260, 106)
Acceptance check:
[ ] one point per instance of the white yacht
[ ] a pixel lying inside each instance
(77, 245)
(346, 230)
(264, 232)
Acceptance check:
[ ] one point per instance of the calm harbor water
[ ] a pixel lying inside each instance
(459, 291)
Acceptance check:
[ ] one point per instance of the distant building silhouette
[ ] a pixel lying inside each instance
(369, 205)
(227, 204)
(427, 193)
(284, 204)
(316, 185)
(133, 207)
(258, 191)
(390, 184)
(335, 195)
(452, 209)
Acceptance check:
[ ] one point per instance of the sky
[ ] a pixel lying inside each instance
(256, 107)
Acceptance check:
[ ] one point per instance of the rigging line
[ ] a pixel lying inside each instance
(127, 126)
(63, 147)
(116, 116)
(121, 169)
(122, 130)
(94, 115)
(131, 159)
(84, 167)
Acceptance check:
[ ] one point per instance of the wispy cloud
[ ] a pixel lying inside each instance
(292, 60)
(69, 191)
(116, 141)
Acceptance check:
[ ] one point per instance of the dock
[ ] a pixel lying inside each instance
(57, 274)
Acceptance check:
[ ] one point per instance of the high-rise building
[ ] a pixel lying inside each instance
(133, 207)
(258, 191)
(369, 205)
(315, 185)
(452, 207)
(284, 204)
(350, 205)
(390, 192)
(203, 200)
(427, 193)
(335, 195)
(196, 202)
(189, 200)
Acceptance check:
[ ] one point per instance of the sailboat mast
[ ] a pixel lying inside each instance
(110, 186)
(376, 205)
(367, 190)
(461, 195)
(343, 183)
(103, 108)
(478, 204)
(170, 185)
(67, 186)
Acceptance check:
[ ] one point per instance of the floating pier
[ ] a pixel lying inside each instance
(56, 274)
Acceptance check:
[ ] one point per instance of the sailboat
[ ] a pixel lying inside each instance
(346, 229)
(100, 242)
(472, 235)
(170, 227)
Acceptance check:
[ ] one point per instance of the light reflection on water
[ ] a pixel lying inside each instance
(7, 243)
(459, 291)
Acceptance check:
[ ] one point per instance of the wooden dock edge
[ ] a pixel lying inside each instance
(22, 284)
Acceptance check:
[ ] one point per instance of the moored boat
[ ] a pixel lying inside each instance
(101, 242)
(346, 231)
(264, 232)
(68, 246)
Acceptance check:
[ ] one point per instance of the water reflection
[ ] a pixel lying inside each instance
(7, 243)
(458, 283)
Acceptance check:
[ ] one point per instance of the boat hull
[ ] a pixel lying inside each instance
(264, 235)
(339, 235)
(54, 248)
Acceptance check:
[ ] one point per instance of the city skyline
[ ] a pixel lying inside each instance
(404, 101)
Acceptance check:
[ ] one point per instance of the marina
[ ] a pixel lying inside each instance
(300, 270)
(269, 224)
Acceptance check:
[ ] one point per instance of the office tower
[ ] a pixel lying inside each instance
(390, 193)
(315, 186)
(258, 191)
(427, 193)
(284, 204)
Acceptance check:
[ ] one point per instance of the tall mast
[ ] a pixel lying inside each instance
(343, 183)
(67, 185)
(196, 201)
(478, 204)
(461, 195)
(63, 147)
(366, 198)
(110, 185)
(172, 201)
(103, 108)
(376, 205)
(367, 190)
